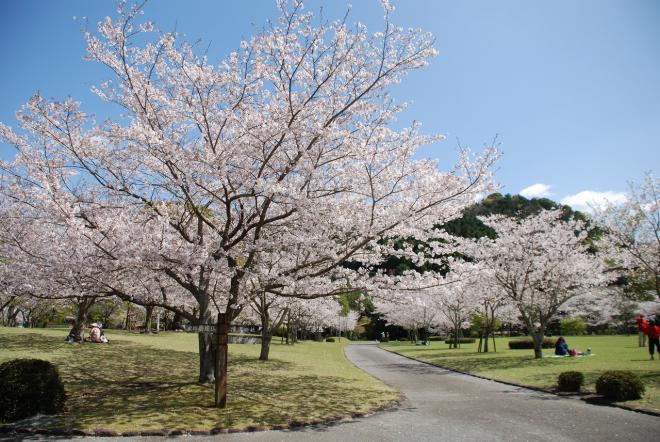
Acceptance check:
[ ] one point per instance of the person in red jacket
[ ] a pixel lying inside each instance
(652, 330)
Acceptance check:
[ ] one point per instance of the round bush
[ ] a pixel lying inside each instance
(329, 339)
(619, 385)
(29, 387)
(570, 381)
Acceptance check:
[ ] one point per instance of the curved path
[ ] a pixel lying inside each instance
(441, 405)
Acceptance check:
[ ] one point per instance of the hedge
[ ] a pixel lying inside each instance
(528, 344)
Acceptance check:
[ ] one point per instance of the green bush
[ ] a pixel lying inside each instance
(528, 344)
(329, 339)
(619, 385)
(461, 341)
(403, 339)
(573, 326)
(437, 338)
(570, 381)
(29, 387)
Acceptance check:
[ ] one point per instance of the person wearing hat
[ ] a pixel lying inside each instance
(95, 333)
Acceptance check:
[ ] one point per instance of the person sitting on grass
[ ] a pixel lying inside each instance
(95, 333)
(651, 328)
(561, 347)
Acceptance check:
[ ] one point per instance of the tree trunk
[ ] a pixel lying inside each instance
(206, 358)
(82, 313)
(222, 353)
(265, 345)
(127, 325)
(147, 320)
(266, 335)
(538, 342)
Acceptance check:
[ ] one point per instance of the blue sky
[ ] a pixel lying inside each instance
(571, 88)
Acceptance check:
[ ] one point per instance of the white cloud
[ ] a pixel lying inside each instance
(587, 199)
(536, 191)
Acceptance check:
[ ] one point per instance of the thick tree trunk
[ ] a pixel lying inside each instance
(265, 345)
(82, 314)
(222, 353)
(266, 335)
(148, 317)
(206, 358)
(538, 342)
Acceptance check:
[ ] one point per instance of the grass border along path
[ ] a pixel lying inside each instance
(145, 385)
(518, 367)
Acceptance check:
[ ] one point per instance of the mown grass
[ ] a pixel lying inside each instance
(140, 382)
(519, 366)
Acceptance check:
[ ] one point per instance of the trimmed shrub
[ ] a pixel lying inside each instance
(329, 339)
(528, 344)
(437, 338)
(570, 381)
(620, 385)
(403, 339)
(461, 341)
(29, 387)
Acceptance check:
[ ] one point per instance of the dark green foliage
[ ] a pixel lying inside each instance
(329, 339)
(570, 381)
(528, 344)
(29, 387)
(461, 341)
(469, 225)
(620, 385)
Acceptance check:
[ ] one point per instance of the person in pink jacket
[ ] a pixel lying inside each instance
(651, 329)
(95, 334)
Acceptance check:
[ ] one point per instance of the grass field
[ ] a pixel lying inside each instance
(140, 382)
(519, 366)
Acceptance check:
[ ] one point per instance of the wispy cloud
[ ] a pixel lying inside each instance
(536, 191)
(587, 199)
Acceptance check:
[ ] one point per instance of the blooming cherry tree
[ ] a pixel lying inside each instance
(539, 263)
(267, 170)
(633, 230)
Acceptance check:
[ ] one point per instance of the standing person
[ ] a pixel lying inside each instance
(561, 347)
(651, 329)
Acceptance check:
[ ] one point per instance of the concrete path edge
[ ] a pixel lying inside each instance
(592, 398)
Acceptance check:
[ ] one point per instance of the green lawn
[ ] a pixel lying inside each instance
(519, 366)
(140, 382)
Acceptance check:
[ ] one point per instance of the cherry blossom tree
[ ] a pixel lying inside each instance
(633, 230)
(265, 171)
(539, 263)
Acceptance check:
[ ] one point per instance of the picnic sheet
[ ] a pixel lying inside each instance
(568, 356)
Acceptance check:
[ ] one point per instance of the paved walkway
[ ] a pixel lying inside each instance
(441, 405)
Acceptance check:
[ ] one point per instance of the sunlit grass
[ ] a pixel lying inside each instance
(519, 366)
(140, 382)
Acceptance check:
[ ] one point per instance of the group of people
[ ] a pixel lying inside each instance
(95, 335)
(561, 349)
(651, 328)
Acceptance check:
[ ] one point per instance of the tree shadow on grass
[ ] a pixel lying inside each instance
(32, 342)
(129, 387)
